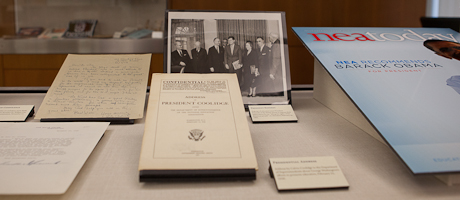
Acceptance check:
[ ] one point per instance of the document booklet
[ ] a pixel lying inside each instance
(196, 128)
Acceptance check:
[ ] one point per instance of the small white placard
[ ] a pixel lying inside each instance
(272, 113)
(15, 113)
(157, 34)
(307, 173)
(117, 34)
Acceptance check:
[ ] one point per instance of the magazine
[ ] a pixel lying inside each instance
(406, 83)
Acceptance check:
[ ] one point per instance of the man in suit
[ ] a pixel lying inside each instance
(180, 59)
(199, 57)
(232, 58)
(224, 42)
(276, 73)
(264, 66)
(216, 57)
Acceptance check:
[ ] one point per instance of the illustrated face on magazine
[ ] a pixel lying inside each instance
(445, 49)
(448, 50)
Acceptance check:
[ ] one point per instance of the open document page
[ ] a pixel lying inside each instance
(44, 158)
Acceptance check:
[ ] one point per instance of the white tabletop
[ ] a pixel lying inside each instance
(371, 168)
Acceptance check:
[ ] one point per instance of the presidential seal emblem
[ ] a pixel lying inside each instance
(196, 135)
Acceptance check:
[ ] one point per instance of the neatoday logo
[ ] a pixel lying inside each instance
(368, 36)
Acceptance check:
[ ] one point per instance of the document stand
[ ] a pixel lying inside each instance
(197, 175)
(111, 120)
(331, 95)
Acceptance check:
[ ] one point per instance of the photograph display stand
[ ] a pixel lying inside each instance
(329, 93)
(251, 44)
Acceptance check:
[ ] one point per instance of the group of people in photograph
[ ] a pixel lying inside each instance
(257, 66)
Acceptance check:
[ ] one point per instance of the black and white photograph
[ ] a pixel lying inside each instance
(251, 44)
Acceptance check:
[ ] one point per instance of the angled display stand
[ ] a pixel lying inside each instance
(329, 93)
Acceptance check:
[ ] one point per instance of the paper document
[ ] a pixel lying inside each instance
(98, 86)
(236, 65)
(44, 158)
(196, 122)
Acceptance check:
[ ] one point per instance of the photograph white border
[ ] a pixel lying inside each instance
(238, 15)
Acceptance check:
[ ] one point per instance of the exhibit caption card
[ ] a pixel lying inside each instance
(15, 113)
(196, 123)
(44, 158)
(98, 86)
(272, 113)
(307, 173)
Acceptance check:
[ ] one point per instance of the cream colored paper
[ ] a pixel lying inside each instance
(196, 121)
(272, 113)
(237, 65)
(307, 173)
(15, 113)
(98, 86)
(44, 158)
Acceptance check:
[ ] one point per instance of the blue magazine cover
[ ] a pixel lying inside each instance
(406, 81)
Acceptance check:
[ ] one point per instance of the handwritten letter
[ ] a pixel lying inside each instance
(98, 86)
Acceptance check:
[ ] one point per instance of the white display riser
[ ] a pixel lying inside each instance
(330, 94)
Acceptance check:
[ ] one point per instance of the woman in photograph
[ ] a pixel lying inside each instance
(250, 70)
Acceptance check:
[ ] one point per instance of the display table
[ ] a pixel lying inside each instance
(371, 168)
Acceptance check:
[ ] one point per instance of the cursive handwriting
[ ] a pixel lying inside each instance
(89, 86)
(31, 162)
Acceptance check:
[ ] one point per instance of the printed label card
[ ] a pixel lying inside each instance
(15, 113)
(272, 113)
(307, 173)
